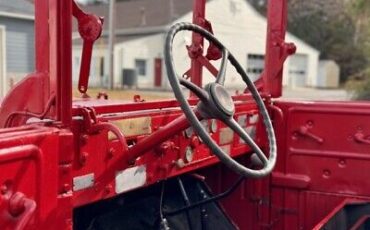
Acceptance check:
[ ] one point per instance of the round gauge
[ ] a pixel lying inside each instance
(205, 125)
(189, 132)
(213, 125)
(189, 154)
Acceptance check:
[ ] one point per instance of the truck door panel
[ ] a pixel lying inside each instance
(323, 149)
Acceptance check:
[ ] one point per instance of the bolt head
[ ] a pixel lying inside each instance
(83, 158)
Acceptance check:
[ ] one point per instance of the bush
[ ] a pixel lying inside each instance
(359, 85)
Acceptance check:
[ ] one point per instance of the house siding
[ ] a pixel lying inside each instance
(240, 28)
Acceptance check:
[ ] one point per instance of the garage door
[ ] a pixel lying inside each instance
(298, 65)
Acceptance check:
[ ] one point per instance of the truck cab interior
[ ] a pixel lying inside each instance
(208, 160)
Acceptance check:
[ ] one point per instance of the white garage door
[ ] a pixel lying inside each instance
(298, 65)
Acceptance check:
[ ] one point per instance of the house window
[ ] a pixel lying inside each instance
(140, 65)
(255, 64)
(101, 66)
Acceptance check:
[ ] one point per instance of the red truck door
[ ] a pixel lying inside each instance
(324, 157)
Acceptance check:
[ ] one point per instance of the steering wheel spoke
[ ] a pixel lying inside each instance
(220, 79)
(234, 125)
(199, 92)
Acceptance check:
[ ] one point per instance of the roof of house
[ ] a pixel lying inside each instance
(17, 8)
(143, 13)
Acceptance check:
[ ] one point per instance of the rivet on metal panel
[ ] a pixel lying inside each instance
(6, 187)
(326, 174)
(83, 158)
(66, 187)
(295, 136)
(342, 163)
(310, 124)
(84, 139)
(111, 153)
(3, 189)
(195, 142)
(180, 163)
(108, 189)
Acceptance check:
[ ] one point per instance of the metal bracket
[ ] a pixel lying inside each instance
(195, 51)
(90, 28)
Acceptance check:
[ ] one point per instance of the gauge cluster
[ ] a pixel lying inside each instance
(183, 152)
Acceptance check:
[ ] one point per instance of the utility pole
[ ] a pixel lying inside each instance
(111, 39)
(172, 11)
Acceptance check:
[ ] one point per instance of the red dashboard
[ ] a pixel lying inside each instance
(101, 171)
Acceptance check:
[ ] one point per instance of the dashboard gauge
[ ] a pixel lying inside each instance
(189, 132)
(213, 125)
(189, 154)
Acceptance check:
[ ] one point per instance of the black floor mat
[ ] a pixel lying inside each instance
(140, 210)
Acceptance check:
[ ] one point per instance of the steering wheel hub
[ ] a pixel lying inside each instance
(222, 99)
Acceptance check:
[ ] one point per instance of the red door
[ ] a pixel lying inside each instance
(158, 72)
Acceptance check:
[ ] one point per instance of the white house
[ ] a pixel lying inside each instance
(141, 30)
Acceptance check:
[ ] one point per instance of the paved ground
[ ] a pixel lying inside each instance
(316, 94)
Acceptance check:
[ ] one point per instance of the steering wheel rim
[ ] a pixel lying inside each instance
(215, 101)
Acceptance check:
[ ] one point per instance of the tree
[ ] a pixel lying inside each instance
(359, 83)
(360, 10)
(329, 27)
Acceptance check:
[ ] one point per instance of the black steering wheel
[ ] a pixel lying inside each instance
(216, 103)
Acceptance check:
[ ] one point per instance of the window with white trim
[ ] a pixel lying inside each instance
(140, 66)
(255, 65)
